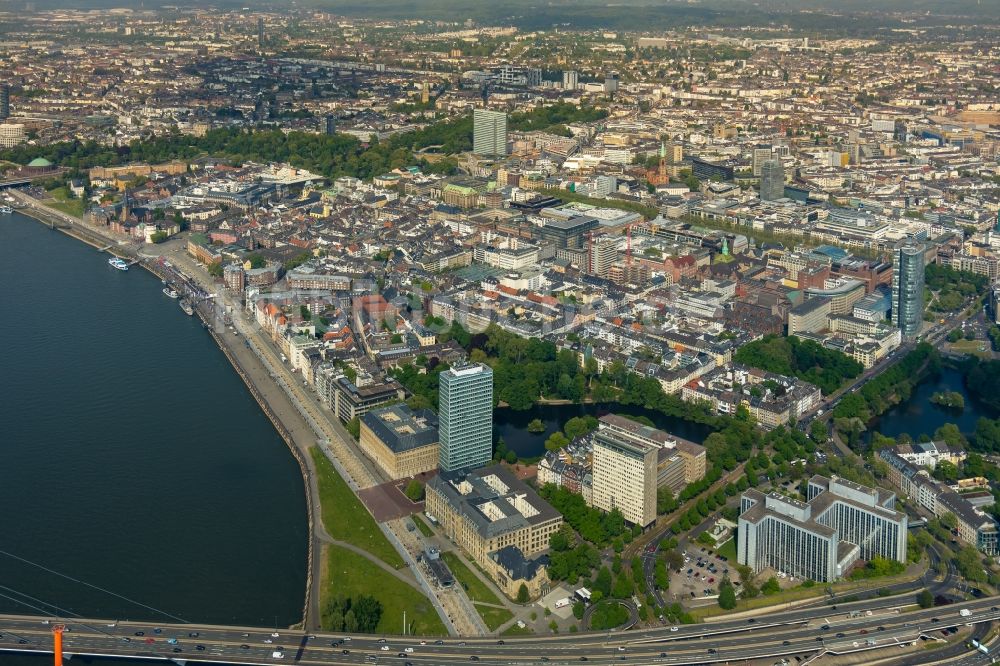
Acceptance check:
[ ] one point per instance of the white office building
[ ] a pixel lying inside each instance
(820, 539)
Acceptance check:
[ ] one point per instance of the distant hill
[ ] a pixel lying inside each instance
(849, 16)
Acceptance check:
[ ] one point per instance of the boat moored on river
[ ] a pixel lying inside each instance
(120, 264)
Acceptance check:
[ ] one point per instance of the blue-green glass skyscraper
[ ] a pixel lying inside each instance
(465, 411)
(908, 287)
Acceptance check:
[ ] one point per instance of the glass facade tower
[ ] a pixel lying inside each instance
(908, 287)
(465, 417)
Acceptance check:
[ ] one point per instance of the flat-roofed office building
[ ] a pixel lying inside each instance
(820, 539)
(403, 443)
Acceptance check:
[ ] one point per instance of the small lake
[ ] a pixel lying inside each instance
(919, 415)
(512, 425)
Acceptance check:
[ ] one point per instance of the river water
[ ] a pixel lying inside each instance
(133, 457)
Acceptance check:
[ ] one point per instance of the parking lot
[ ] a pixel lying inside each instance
(698, 580)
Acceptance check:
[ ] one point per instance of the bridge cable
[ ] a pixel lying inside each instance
(63, 613)
(60, 612)
(95, 587)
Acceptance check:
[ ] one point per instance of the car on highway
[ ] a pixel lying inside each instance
(176, 649)
(268, 641)
(195, 634)
(410, 650)
(274, 635)
(345, 652)
(840, 634)
(140, 633)
(673, 628)
(785, 642)
(384, 648)
(244, 647)
(172, 641)
(200, 648)
(381, 640)
(157, 630)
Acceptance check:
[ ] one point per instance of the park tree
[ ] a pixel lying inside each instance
(727, 595)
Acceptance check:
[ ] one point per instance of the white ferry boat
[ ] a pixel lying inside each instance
(120, 264)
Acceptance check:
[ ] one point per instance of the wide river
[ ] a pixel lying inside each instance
(133, 461)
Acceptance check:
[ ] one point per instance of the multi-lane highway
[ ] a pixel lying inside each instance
(874, 625)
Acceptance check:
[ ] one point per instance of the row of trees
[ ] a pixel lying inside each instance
(982, 379)
(890, 387)
(352, 614)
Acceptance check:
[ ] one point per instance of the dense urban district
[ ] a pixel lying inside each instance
(723, 253)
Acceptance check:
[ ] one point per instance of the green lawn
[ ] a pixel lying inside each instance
(514, 630)
(350, 574)
(65, 202)
(972, 347)
(424, 528)
(728, 549)
(346, 518)
(494, 617)
(476, 589)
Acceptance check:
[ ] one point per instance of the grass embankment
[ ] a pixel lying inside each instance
(424, 528)
(351, 575)
(346, 518)
(65, 202)
(478, 591)
(799, 593)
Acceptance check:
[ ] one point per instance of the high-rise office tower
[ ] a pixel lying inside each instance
(331, 125)
(489, 132)
(625, 476)
(465, 400)
(571, 79)
(260, 31)
(761, 154)
(603, 253)
(908, 286)
(772, 180)
(4, 101)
